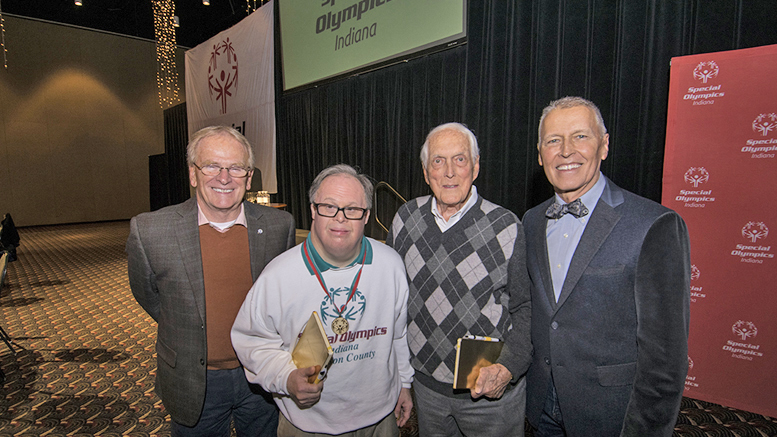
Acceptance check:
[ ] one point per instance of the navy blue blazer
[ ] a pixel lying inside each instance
(616, 343)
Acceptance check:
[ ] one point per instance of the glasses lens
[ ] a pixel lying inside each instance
(237, 172)
(353, 213)
(326, 210)
(210, 170)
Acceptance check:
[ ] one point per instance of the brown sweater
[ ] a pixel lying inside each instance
(226, 268)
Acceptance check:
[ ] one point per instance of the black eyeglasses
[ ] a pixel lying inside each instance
(330, 211)
(214, 170)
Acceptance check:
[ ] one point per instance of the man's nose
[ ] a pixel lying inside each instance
(449, 169)
(566, 150)
(224, 176)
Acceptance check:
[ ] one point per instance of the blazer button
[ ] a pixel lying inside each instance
(554, 325)
(547, 361)
(202, 362)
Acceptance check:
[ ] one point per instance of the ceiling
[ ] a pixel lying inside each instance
(135, 17)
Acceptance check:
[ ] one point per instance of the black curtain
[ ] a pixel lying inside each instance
(176, 139)
(520, 55)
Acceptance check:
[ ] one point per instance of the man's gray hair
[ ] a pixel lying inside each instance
(474, 150)
(571, 102)
(193, 148)
(341, 169)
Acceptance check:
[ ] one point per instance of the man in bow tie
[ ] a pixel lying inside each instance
(610, 283)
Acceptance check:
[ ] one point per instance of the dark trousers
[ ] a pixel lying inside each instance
(551, 423)
(228, 395)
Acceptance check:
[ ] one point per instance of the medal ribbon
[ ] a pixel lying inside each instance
(354, 283)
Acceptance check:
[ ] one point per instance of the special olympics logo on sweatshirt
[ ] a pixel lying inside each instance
(222, 73)
(695, 272)
(339, 305)
(744, 330)
(765, 123)
(706, 71)
(755, 231)
(696, 176)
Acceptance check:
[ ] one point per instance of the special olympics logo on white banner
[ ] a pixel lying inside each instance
(695, 272)
(696, 176)
(706, 71)
(755, 231)
(744, 330)
(765, 123)
(222, 73)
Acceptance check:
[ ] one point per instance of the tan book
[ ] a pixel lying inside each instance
(313, 348)
(472, 353)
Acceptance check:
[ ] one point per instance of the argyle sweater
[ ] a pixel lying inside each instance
(470, 279)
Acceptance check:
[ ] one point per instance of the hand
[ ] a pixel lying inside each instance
(404, 405)
(301, 389)
(491, 382)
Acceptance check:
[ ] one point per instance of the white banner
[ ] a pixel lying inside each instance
(230, 81)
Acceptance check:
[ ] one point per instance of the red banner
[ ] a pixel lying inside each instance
(720, 167)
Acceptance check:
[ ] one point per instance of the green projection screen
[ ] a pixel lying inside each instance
(324, 39)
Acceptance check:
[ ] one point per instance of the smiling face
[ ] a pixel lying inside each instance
(337, 239)
(451, 170)
(571, 151)
(219, 197)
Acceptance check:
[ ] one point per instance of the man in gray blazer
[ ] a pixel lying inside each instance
(610, 281)
(190, 267)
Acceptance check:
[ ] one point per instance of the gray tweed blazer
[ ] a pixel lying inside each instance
(165, 275)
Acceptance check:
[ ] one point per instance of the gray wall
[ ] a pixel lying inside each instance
(79, 115)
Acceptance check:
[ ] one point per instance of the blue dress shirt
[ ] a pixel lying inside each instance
(564, 234)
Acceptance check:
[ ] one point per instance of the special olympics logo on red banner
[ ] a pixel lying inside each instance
(222, 73)
(765, 123)
(755, 231)
(744, 330)
(695, 272)
(706, 71)
(690, 363)
(696, 176)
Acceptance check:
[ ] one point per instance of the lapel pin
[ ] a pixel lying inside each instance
(259, 231)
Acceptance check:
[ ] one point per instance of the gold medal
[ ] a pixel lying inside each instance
(340, 326)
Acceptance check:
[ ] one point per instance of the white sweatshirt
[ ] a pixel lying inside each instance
(371, 361)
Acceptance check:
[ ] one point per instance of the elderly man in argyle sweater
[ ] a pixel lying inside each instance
(465, 260)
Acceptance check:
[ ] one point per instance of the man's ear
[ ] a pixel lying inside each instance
(248, 180)
(604, 147)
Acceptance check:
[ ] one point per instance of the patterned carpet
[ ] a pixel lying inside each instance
(85, 364)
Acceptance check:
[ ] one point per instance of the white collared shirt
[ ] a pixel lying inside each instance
(445, 225)
(222, 227)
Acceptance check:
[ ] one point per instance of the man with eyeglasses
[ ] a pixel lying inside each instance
(359, 288)
(190, 267)
(466, 265)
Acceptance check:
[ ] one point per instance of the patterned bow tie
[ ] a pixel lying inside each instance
(576, 208)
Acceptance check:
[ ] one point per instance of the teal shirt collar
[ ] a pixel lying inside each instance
(324, 266)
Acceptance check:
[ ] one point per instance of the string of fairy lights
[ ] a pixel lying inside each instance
(252, 5)
(2, 37)
(164, 32)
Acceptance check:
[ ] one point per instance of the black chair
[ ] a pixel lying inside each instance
(3, 265)
(9, 237)
(9, 241)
